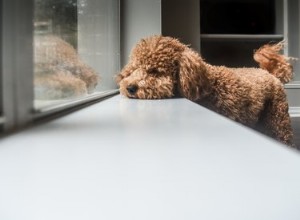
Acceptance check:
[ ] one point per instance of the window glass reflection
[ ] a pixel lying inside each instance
(76, 48)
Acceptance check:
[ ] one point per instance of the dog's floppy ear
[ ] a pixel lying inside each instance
(191, 76)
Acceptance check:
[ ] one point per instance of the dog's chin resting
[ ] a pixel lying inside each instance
(162, 67)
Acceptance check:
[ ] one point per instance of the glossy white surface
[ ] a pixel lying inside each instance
(142, 159)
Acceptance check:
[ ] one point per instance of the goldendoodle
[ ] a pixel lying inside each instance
(162, 67)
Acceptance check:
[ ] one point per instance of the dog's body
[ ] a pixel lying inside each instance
(162, 67)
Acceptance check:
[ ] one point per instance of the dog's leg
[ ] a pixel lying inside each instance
(277, 121)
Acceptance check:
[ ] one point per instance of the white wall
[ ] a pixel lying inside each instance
(139, 19)
(181, 19)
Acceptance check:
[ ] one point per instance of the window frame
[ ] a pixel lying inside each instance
(17, 53)
(17, 70)
(292, 34)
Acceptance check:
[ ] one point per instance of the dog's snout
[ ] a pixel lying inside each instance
(132, 89)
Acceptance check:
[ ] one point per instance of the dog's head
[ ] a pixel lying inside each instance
(161, 67)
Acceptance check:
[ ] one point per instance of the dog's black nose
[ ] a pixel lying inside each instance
(132, 89)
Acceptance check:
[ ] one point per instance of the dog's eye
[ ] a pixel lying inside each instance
(153, 71)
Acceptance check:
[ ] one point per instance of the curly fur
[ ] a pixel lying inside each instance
(59, 72)
(162, 67)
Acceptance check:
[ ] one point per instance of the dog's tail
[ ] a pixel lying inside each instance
(269, 58)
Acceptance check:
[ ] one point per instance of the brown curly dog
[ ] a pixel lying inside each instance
(162, 67)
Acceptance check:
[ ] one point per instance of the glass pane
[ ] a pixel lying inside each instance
(237, 17)
(76, 47)
(241, 51)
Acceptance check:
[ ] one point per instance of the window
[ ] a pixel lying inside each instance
(76, 49)
(237, 28)
(237, 17)
(56, 55)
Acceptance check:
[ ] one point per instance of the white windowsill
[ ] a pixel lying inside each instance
(146, 159)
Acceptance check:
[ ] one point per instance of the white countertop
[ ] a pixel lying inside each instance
(124, 159)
